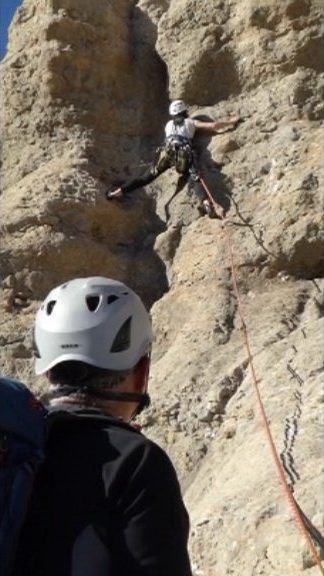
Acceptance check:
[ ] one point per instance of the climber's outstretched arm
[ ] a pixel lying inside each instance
(219, 125)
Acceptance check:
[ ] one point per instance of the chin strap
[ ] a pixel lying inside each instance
(143, 399)
(120, 396)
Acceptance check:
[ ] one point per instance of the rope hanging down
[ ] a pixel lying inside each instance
(287, 491)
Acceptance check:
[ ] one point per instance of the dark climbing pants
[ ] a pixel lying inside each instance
(166, 158)
(155, 170)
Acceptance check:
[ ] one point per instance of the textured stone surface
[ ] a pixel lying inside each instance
(85, 91)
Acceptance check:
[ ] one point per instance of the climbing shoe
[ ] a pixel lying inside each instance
(194, 175)
(206, 208)
(114, 194)
(209, 210)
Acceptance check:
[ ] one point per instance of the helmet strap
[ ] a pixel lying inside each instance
(143, 399)
(118, 396)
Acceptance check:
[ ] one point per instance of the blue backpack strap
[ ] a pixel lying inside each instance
(21, 413)
(22, 444)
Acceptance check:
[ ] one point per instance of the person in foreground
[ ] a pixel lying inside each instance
(106, 500)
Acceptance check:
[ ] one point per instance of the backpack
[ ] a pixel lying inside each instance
(23, 433)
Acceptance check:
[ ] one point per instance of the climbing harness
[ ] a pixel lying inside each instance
(301, 519)
(177, 151)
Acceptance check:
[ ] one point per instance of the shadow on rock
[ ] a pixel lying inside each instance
(218, 183)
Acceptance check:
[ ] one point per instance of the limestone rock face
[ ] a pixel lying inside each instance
(85, 91)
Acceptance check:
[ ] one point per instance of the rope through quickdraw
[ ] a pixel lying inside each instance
(287, 491)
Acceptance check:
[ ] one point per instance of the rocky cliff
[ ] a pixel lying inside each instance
(85, 91)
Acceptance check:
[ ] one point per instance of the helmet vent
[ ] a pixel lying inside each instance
(93, 302)
(111, 299)
(123, 337)
(50, 306)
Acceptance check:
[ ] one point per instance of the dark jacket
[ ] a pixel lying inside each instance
(106, 502)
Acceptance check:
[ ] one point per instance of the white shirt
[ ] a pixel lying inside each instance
(186, 129)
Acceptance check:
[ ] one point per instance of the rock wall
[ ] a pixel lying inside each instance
(85, 93)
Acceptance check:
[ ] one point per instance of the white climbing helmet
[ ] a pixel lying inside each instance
(95, 320)
(177, 107)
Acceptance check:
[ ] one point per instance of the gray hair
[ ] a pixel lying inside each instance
(82, 376)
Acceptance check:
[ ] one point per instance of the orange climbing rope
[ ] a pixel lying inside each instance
(287, 491)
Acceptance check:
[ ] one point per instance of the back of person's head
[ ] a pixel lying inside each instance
(89, 327)
(178, 109)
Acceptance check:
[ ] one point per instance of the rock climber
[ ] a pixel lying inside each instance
(177, 150)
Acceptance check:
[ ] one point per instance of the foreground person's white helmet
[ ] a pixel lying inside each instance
(95, 320)
(177, 107)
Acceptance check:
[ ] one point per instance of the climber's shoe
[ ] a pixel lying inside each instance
(114, 194)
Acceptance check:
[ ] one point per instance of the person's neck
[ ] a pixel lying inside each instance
(107, 407)
(179, 120)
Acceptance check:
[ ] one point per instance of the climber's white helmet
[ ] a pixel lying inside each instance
(95, 320)
(177, 107)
